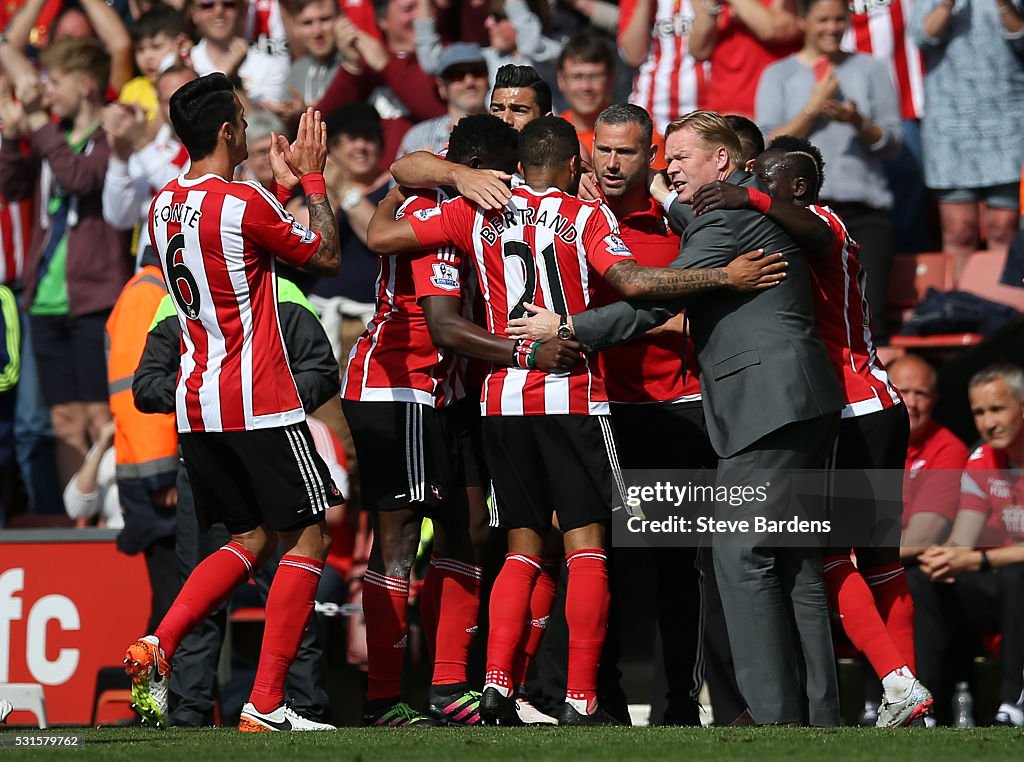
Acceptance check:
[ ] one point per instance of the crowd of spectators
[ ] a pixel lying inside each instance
(914, 104)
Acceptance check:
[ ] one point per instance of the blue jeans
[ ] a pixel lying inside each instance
(33, 435)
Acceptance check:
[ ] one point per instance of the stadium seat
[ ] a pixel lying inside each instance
(248, 615)
(910, 278)
(937, 341)
(113, 707)
(981, 275)
(26, 697)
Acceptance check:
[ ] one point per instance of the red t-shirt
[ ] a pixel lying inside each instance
(990, 487)
(545, 248)
(736, 65)
(658, 368)
(931, 481)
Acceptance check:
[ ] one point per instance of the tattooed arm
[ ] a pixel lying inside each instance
(752, 271)
(326, 260)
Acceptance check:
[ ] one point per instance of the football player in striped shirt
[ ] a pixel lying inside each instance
(242, 430)
(403, 399)
(547, 437)
(872, 597)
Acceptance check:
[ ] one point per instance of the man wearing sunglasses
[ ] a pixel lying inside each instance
(462, 85)
(221, 48)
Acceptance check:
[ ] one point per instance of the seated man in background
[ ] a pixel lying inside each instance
(984, 599)
(935, 458)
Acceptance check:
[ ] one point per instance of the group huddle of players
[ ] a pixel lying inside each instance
(470, 397)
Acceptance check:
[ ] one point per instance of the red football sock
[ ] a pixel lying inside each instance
(456, 623)
(510, 603)
(208, 586)
(384, 605)
(541, 601)
(289, 608)
(851, 598)
(586, 614)
(430, 604)
(896, 606)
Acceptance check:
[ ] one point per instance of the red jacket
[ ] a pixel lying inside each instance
(98, 264)
(417, 90)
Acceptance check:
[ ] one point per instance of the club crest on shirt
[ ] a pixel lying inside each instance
(305, 234)
(445, 276)
(425, 214)
(616, 246)
(999, 488)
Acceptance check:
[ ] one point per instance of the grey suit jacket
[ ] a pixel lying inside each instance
(763, 364)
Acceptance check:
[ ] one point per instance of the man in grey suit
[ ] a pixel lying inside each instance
(772, 402)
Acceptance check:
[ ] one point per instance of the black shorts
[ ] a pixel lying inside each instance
(265, 476)
(563, 464)
(465, 441)
(866, 494)
(71, 356)
(402, 452)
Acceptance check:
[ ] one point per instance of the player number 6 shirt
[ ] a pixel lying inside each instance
(217, 241)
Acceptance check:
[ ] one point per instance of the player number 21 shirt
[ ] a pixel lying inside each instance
(545, 248)
(217, 241)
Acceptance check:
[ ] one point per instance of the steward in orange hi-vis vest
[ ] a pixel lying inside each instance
(145, 445)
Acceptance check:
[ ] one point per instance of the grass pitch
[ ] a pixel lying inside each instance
(533, 745)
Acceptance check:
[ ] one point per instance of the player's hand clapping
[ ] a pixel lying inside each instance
(754, 271)
(309, 151)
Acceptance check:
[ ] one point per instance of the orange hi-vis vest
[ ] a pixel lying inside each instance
(145, 444)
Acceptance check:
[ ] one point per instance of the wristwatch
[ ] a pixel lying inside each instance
(564, 331)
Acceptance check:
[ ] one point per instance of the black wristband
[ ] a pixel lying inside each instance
(986, 564)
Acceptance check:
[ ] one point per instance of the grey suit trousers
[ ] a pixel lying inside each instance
(774, 598)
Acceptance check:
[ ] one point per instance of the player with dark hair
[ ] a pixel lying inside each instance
(751, 139)
(242, 429)
(519, 95)
(872, 597)
(407, 404)
(547, 439)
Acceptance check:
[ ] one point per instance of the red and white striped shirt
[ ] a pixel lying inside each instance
(394, 360)
(264, 26)
(670, 82)
(15, 234)
(217, 241)
(880, 28)
(543, 247)
(844, 322)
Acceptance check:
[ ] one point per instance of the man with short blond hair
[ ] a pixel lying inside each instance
(772, 404)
